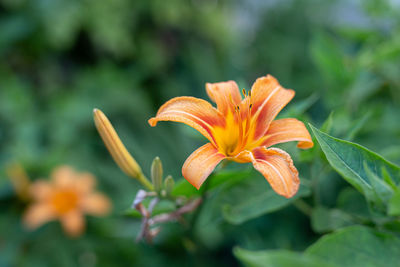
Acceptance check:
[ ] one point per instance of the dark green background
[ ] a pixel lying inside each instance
(59, 59)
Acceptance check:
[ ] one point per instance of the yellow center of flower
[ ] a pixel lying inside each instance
(237, 135)
(64, 201)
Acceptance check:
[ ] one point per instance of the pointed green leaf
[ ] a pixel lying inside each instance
(388, 179)
(324, 220)
(358, 125)
(353, 202)
(394, 204)
(381, 190)
(253, 197)
(328, 123)
(350, 160)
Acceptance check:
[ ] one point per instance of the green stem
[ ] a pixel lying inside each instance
(303, 207)
(145, 182)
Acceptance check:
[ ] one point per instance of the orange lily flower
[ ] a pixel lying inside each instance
(67, 197)
(241, 130)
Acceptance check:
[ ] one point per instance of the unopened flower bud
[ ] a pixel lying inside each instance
(114, 145)
(169, 184)
(157, 174)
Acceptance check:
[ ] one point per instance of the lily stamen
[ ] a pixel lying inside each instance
(239, 116)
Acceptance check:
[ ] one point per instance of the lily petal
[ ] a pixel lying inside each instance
(277, 167)
(63, 177)
(225, 94)
(268, 98)
(286, 130)
(200, 164)
(38, 214)
(96, 204)
(40, 190)
(73, 223)
(192, 111)
(85, 183)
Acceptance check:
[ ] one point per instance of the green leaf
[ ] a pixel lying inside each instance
(252, 198)
(365, 84)
(328, 123)
(388, 179)
(382, 191)
(329, 58)
(300, 107)
(352, 161)
(324, 220)
(357, 246)
(358, 125)
(184, 188)
(277, 258)
(394, 204)
(353, 202)
(228, 176)
(237, 200)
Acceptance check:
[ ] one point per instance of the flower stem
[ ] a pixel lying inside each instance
(303, 207)
(145, 182)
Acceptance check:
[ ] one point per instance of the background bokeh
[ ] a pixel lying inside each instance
(59, 59)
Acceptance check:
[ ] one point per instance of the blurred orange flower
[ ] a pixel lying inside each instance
(67, 197)
(241, 130)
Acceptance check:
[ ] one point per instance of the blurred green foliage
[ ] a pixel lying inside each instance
(59, 59)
